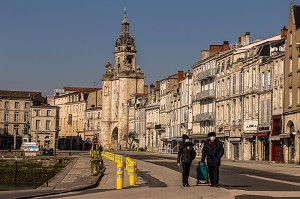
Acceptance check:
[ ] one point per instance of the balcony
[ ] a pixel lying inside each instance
(205, 95)
(209, 116)
(150, 125)
(206, 74)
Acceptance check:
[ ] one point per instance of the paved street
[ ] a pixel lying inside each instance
(160, 177)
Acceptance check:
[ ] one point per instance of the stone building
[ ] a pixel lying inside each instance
(204, 92)
(120, 81)
(291, 99)
(277, 54)
(168, 89)
(73, 103)
(153, 133)
(15, 116)
(44, 125)
(186, 115)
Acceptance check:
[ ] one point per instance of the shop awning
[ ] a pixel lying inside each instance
(284, 135)
(263, 134)
(248, 135)
(197, 136)
(275, 138)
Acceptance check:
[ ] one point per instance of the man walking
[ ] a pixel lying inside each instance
(186, 154)
(213, 151)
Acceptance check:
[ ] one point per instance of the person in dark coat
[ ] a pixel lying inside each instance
(186, 154)
(213, 151)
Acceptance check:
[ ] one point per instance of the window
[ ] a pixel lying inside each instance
(5, 129)
(26, 105)
(48, 124)
(16, 129)
(254, 77)
(268, 110)
(262, 81)
(37, 124)
(262, 112)
(234, 111)
(254, 104)
(6, 105)
(291, 65)
(234, 84)
(26, 117)
(5, 116)
(17, 105)
(291, 97)
(48, 113)
(228, 113)
(16, 117)
(298, 95)
(228, 86)
(38, 112)
(241, 82)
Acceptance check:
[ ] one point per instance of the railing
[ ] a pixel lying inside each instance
(208, 116)
(131, 167)
(206, 74)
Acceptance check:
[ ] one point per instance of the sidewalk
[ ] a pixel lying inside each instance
(75, 176)
(153, 182)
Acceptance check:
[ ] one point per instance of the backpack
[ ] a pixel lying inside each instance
(193, 153)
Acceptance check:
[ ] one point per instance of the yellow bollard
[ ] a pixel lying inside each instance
(131, 173)
(135, 173)
(119, 179)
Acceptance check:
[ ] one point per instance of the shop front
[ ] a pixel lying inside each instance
(276, 141)
(263, 145)
(236, 148)
(250, 128)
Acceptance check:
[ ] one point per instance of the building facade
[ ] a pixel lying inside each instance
(291, 98)
(120, 81)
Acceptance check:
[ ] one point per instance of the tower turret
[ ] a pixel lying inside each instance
(125, 50)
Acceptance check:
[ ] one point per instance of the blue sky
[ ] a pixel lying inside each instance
(55, 43)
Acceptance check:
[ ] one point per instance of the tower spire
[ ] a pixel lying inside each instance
(124, 11)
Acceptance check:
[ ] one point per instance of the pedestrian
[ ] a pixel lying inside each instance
(186, 154)
(213, 151)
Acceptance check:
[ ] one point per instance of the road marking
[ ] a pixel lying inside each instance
(274, 180)
(282, 194)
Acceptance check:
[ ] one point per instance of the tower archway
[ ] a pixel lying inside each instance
(114, 139)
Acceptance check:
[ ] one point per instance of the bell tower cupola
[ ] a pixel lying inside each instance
(125, 50)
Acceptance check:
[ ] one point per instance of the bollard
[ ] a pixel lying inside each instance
(119, 179)
(95, 167)
(135, 173)
(131, 173)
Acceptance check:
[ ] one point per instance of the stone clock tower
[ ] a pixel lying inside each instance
(121, 80)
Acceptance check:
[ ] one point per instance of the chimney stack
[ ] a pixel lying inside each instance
(157, 84)
(283, 32)
(244, 39)
(145, 89)
(204, 54)
(152, 88)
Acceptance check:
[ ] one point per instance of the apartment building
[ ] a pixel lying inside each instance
(185, 105)
(278, 57)
(26, 117)
(204, 93)
(291, 98)
(153, 133)
(44, 125)
(73, 103)
(168, 89)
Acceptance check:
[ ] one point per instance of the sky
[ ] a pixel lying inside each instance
(51, 44)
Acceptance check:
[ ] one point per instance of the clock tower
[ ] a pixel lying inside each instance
(120, 82)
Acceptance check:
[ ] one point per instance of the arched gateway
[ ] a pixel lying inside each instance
(114, 139)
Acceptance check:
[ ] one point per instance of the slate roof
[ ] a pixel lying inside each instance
(18, 94)
(297, 16)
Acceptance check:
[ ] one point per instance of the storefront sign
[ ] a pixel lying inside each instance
(250, 126)
(234, 139)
